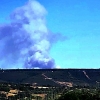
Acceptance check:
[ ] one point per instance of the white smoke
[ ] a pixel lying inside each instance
(26, 41)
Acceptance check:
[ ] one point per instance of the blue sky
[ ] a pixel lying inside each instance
(79, 20)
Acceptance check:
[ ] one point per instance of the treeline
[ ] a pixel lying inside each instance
(28, 92)
(81, 94)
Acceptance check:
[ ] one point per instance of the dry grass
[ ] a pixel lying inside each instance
(40, 95)
(69, 84)
(13, 91)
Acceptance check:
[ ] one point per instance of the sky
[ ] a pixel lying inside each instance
(79, 20)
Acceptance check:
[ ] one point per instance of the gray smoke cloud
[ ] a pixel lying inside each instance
(26, 41)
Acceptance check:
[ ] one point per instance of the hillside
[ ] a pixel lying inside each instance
(52, 77)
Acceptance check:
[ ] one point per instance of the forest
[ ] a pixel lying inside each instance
(12, 91)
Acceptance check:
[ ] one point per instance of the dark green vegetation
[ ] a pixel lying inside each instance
(51, 76)
(50, 84)
(11, 91)
(81, 94)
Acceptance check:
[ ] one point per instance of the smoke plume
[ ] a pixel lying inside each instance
(26, 41)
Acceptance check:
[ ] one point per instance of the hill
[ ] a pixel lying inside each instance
(52, 77)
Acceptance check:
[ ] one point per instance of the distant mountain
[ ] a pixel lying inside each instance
(52, 77)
